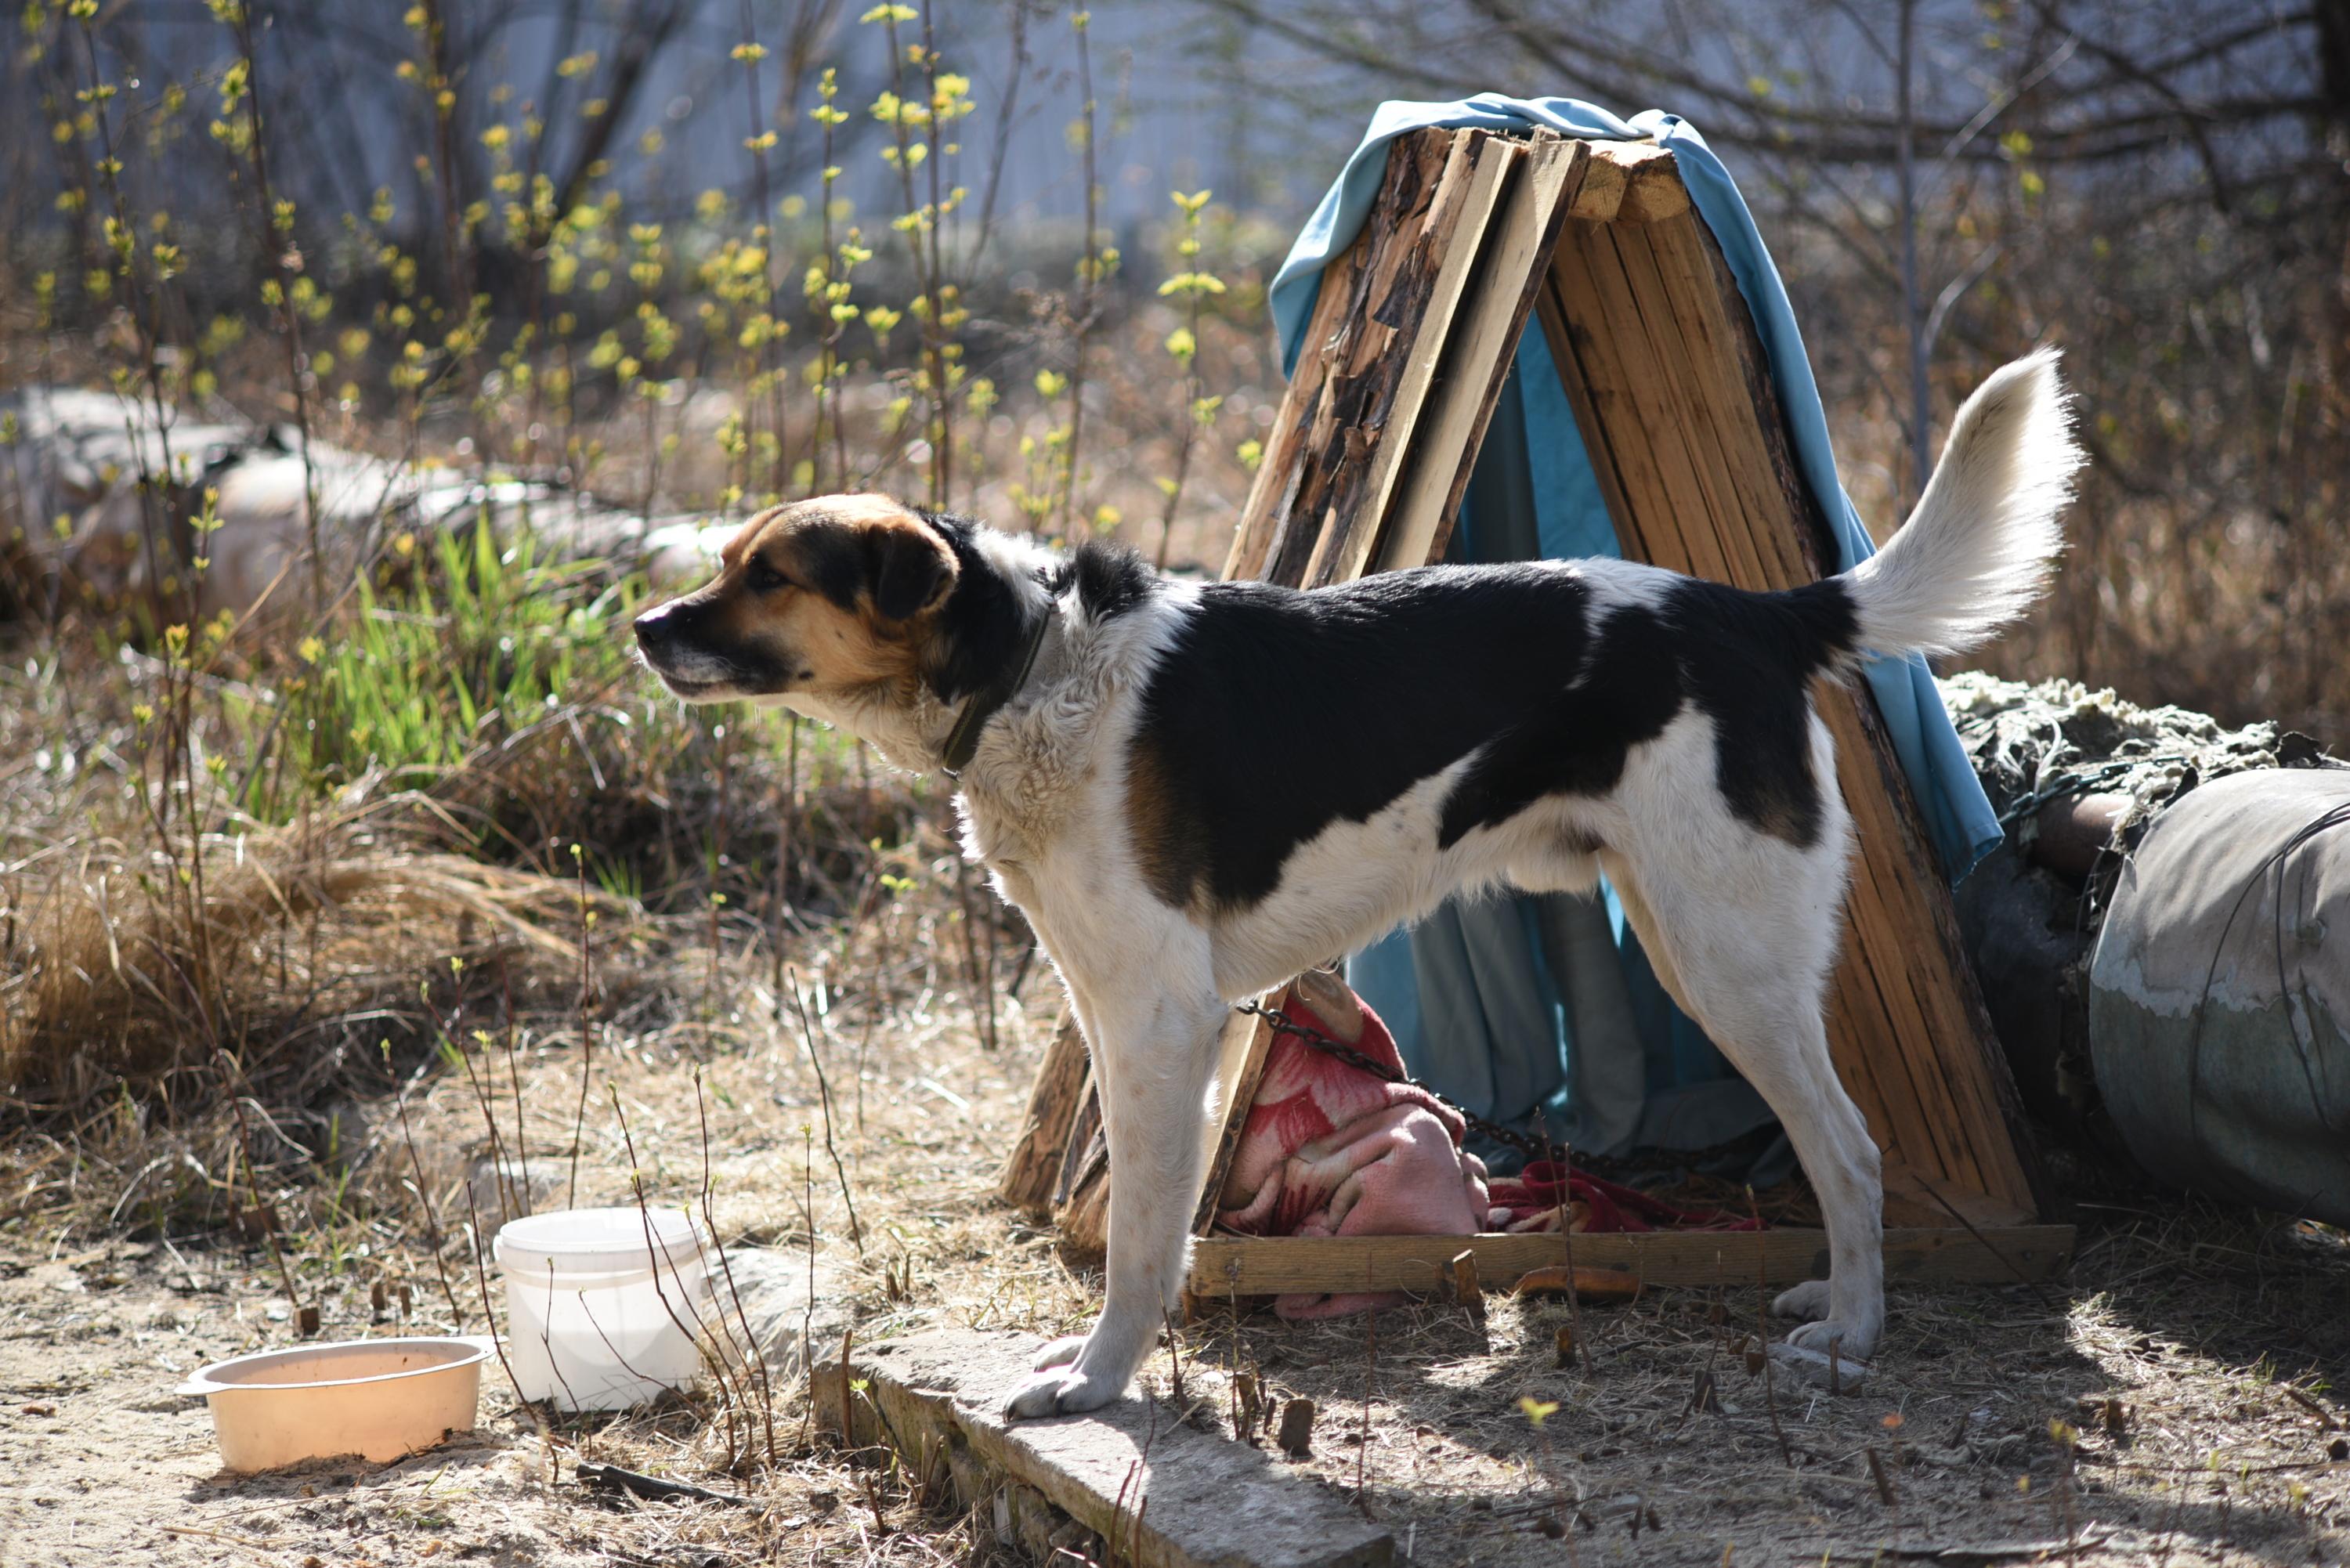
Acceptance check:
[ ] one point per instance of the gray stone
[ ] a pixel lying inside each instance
(773, 1285)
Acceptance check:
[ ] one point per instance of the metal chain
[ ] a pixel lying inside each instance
(1279, 1020)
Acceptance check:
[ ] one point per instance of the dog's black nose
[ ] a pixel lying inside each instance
(656, 629)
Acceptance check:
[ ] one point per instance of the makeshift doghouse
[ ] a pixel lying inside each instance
(1475, 233)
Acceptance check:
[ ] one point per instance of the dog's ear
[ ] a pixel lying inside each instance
(911, 569)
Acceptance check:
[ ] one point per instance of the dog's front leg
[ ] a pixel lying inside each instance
(1154, 1044)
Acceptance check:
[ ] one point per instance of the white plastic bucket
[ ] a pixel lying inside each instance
(597, 1318)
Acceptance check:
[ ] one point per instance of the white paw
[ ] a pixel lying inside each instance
(1060, 1352)
(1807, 1300)
(1852, 1341)
(1058, 1391)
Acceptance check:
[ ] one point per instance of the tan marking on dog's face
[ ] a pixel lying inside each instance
(831, 597)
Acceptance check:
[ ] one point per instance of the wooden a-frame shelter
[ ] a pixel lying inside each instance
(1472, 234)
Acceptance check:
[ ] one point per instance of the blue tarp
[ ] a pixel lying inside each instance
(1507, 1040)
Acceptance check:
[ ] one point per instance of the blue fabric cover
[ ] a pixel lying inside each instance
(1507, 1046)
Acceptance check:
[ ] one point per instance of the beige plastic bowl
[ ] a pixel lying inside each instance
(381, 1398)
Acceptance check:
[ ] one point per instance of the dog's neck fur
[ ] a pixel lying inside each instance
(1004, 585)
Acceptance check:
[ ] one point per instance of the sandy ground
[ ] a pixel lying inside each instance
(2214, 1339)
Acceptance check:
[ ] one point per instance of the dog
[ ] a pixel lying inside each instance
(1194, 791)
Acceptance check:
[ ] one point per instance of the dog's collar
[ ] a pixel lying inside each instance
(962, 741)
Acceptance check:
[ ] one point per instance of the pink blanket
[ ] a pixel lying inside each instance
(1331, 1150)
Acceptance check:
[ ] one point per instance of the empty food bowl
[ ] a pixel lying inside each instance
(381, 1398)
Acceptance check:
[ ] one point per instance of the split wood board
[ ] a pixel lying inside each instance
(1079, 1197)
(1159, 1493)
(1225, 1266)
(1671, 393)
(1032, 1171)
(1410, 340)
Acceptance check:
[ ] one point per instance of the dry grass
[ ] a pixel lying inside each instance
(103, 969)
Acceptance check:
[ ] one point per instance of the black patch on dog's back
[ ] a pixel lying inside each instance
(1276, 713)
(1748, 660)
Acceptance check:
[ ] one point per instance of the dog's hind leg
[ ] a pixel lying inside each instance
(1754, 978)
(1155, 1050)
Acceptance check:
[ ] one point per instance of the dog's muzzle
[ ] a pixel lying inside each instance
(664, 636)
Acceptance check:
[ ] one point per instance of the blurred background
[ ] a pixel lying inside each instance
(2159, 188)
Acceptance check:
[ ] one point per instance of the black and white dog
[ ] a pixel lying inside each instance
(1195, 792)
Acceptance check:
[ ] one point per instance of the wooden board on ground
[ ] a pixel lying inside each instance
(1226, 1266)
(1156, 1493)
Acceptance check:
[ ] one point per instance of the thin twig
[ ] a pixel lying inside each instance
(823, 1090)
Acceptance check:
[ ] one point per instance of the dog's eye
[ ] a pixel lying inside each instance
(764, 578)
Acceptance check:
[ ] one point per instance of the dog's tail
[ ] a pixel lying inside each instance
(1979, 548)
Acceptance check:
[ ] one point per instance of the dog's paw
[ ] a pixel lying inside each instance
(1058, 1391)
(1851, 1342)
(1060, 1352)
(1807, 1300)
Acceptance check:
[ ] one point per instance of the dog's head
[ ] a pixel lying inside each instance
(823, 604)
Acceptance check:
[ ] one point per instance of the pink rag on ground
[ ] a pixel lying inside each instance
(1331, 1150)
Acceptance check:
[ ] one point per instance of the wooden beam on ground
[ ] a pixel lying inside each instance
(1225, 1266)
(1672, 394)
(1149, 1490)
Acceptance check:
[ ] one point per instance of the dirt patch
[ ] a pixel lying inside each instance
(2190, 1354)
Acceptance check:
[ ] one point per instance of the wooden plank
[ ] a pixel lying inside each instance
(1157, 1492)
(1080, 1204)
(1669, 392)
(1911, 1199)
(1032, 1169)
(1468, 198)
(1401, 245)
(1958, 1056)
(1226, 1266)
(1325, 392)
(1669, 385)
(1478, 361)
(1081, 1193)
(1270, 498)
(1622, 393)
(1245, 1046)
(1630, 182)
